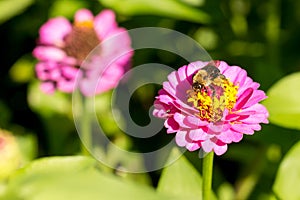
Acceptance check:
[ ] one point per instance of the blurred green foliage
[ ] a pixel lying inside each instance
(288, 175)
(288, 115)
(74, 177)
(260, 36)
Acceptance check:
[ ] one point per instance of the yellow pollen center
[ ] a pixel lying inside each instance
(211, 103)
(86, 24)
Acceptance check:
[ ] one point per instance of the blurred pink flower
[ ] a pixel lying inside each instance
(63, 47)
(217, 112)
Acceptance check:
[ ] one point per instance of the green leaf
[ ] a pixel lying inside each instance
(10, 8)
(193, 2)
(167, 8)
(104, 114)
(48, 104)
(287, 181)
(49, 166)
(6, 114)
(207, 38)
(28, 147)
(66, 8)
(76, 178)
(22, 70)
(283, 102)
(181, 178)
(226, 191)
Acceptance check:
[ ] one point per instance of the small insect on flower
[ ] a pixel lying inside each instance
(207, 77)
(208, 92)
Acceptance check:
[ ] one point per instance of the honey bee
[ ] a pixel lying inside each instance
(208, 81)
(207, 78)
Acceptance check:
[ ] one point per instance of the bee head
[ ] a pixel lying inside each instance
(197, 86)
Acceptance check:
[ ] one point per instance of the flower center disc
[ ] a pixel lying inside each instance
(213, 99)
(81, 41)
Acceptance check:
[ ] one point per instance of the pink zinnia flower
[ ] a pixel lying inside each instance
(63, 47)
(209, 105)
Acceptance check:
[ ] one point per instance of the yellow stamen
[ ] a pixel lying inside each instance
(86, 23)
(230, 92)
(210, 107)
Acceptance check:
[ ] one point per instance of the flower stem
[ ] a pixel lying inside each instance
(85, 126)
(207, 170)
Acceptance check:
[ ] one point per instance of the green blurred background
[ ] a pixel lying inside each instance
(260, 36)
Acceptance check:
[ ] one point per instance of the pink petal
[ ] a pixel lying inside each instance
(250, 84)
(256, 108)
(171, 125)
(220, 150)
(242, 128)
(244, 112)
(49, 53)
(168, 88)
(181, 90)
(240, 78)
(45, 66)
(69, 72)
(162, 92)
(125, 58)
(232, 73)
(253, 119)
(103, 73)
(109, 78)
(161, 105)
(195, 122)
(243, 99)
(197, 134)
(257, 96)
(216, 128)
(83, 15)
(207, 145)
(223, 66)
(115, 49)
(172, 79)
(255, 114)
(180, 138)
(165, 99)
(184, 108)
(256, 127)
(179, 118)
(193, 146)
(54, 31)
(194, 67)
(42, 71)
(66, 85)
(54, 74)
(105, 23)
(160, 109)
(47, 87)
(233, 117)
(181, 75)
(230, 136)
(178, 81)
(44, 76)
(87, 87)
